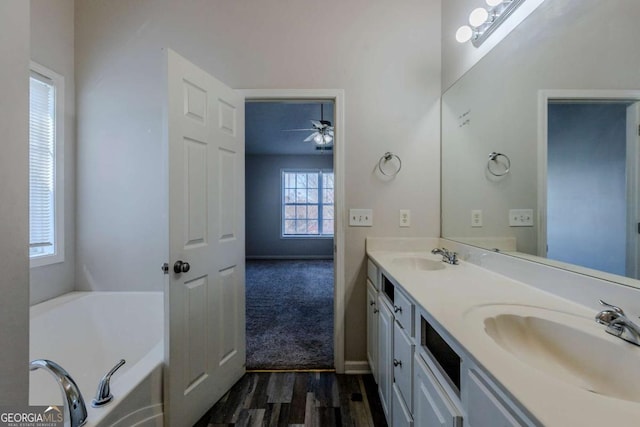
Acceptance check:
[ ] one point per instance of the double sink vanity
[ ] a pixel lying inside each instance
(461, 345)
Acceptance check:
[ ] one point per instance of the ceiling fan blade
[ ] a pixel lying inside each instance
(317, 124)
(297, 130)
(311, 137)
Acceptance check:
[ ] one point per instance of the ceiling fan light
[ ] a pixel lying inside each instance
(328, 138)
(318, 139)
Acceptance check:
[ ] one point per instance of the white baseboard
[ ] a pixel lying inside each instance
(356, 367)
(285, 257)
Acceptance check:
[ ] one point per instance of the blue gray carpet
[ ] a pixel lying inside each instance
(289, 314)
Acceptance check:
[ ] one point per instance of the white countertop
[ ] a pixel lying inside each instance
(453, 294)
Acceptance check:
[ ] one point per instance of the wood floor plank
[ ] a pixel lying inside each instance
(299, 399)
(347, 386)
(280, 388)
(228, 413)
(250, 418)
(259, 398)
(373, 399)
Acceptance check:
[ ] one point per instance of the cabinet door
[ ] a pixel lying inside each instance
(401, 414)
(372, 329)
(403, 349)
(432, 406)
(385, 355)
(484, 407)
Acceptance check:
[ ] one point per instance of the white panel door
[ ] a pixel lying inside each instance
(204, 303)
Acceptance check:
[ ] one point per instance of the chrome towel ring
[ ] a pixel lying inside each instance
(494, 160)
(395, 166)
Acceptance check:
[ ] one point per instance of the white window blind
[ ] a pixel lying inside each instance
(307, 203)
(42, 143)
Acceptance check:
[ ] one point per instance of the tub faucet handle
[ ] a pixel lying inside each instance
(103, 395)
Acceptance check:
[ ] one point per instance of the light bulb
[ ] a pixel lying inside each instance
(317, 139)
(327, 139)
(464, 34)
(493, 3)
(478, 17)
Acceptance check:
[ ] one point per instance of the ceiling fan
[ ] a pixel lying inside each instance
(322, 130)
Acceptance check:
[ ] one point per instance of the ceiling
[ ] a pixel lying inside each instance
(265, 123)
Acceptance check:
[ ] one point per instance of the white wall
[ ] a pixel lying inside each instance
(52, 46)
(385, 55)
(14, 190)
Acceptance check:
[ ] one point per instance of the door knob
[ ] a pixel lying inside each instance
(181, 267)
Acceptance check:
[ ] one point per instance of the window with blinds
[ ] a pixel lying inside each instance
(43, 179)
(307, 203)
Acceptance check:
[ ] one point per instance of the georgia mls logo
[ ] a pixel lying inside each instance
(31, 416)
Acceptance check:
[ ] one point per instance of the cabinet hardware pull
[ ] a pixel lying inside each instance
(397, 309)
(397, 362)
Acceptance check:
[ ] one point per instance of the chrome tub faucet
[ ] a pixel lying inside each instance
(449, 257)
(618, 324)
(73, 402)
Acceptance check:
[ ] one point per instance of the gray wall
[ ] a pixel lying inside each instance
(586, 196)
(264, 206)
(14, 190)
(52, 46)
(385, 55)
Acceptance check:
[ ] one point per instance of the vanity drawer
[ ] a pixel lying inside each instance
(372, 274)
(404, 312)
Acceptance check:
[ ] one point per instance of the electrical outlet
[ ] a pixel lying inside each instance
(521, 217)
(360, 217)
(405, 218)
(476, 218)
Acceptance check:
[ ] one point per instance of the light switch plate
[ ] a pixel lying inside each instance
(405, 218)
(476, 218)
(360, 217)
(521, 217)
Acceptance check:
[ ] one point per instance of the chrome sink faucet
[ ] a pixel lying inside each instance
(618, 324)
(449, 257)
(73, 402)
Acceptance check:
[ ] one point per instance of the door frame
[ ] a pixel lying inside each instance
(337, 96)
(544, 96)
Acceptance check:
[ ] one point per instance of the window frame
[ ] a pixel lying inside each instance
(57, 81)
(320, 204)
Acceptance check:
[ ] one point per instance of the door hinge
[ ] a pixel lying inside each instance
(165, 268)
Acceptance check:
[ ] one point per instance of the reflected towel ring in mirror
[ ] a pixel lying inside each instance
(389, 164)
(493, 159)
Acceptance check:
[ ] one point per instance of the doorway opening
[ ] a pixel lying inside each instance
(290, 229)
(590, 160)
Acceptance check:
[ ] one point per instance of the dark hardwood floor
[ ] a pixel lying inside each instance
(318, 399)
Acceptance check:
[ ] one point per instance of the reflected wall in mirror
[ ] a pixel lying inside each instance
(568, 61)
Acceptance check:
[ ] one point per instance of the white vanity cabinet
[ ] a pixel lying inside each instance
(424, 377)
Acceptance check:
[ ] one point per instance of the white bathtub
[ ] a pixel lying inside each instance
(87, 333)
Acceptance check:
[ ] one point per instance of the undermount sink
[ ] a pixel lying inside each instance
(417, 263)
(570, 348)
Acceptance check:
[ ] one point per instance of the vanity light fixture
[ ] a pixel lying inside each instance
(485, 21)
